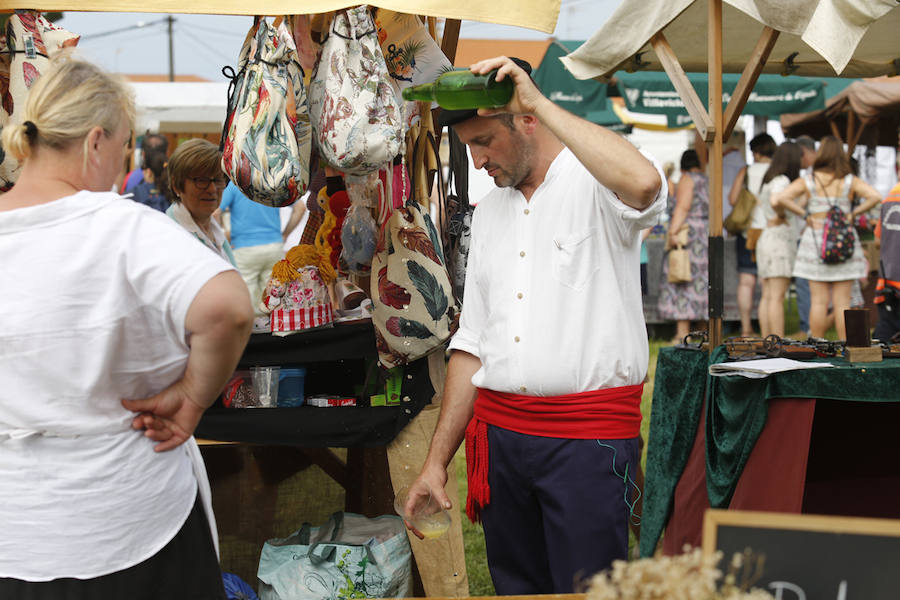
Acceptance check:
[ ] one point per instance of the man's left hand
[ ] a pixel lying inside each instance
(526, 95)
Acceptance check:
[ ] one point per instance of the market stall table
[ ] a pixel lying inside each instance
(271, 445)
(813, 441)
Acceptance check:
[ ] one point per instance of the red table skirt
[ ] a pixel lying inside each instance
(813, 456)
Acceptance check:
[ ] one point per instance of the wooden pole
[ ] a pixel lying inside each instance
(683, 86)
(748, 79)
(716, 243)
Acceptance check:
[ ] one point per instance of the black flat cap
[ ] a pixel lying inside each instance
(448, 118)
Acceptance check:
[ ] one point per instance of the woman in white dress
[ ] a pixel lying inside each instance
(777, 244)
(830, 183)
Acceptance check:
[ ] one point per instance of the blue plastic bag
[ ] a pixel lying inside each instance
(236, 588)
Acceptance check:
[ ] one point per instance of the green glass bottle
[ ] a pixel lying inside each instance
(463, 89)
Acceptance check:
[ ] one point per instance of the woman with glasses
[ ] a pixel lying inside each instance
(197, 181)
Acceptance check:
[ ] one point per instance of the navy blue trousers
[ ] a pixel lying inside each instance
(558, 511)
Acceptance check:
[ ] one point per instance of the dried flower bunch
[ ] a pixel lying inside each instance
(688, 576)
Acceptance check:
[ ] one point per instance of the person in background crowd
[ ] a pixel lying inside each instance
(801, 285)
(777, 244)
(551, 417)
(830, 183)
(732, 164)
(110, 358)
(256, 237)
(196, 181)
(887, 290)
(150, 191)
(763, 147)
(153, 143)
(686, 302)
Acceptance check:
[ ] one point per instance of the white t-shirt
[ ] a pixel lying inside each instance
(552, 300)
(95, 293)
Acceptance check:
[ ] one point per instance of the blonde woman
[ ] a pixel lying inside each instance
(117, 330)
(830, 183)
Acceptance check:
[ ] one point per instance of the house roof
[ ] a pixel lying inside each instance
(469, 51)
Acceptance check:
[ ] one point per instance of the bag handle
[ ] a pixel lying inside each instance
(330, 546)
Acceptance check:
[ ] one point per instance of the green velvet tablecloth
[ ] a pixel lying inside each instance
(735, 416)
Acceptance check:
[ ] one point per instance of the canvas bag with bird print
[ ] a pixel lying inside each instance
(415, 312)
(267, 137)
(353, 104)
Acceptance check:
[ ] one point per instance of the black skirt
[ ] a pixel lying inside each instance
(186, 568)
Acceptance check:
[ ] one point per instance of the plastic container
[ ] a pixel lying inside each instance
(239, 391)
(290, 387)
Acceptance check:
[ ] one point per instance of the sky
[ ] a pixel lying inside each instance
(134, 43)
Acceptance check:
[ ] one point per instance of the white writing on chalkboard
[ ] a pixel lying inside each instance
(779, 587)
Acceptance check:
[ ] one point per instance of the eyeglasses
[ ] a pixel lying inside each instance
(203, 182)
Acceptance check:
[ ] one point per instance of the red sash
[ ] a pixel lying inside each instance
(610, 414)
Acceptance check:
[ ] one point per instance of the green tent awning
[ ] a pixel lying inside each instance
(652, 92)
(587, 99)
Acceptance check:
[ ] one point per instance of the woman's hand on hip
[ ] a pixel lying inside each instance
(169, 417)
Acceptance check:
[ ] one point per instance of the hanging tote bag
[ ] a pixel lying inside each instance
(459, 211)
(680, 258)
(30, 43)
(353, 105)
(350, 556)
(267, 136)
(414, 309)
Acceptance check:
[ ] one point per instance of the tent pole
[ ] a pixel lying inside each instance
(716, 248)
(835, 131)
(851, 131)
(449, 43)
(682, 84)
(748, 79)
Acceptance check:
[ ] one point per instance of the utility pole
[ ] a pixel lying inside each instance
(171, 20)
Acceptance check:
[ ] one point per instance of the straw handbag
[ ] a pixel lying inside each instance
(680, 258)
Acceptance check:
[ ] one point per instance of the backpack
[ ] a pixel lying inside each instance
(266, 139)
(838, 236)
(356, 115)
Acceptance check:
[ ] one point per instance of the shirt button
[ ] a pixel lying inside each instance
(519, 295)
(516, 338)
(522, 254)
(527, 211)
(523, 389)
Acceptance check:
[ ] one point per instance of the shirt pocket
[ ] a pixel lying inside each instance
(575, 257)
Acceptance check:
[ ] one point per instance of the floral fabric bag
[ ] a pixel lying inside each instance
(26, 49)
(267, 137)
(415, 311)
(355, 111)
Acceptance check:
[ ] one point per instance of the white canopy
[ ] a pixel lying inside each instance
(855, 38)
(180, 106)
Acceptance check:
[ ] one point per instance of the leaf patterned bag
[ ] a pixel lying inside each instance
(411, 290)
(353, 105)
(266, 141)
(30, 42)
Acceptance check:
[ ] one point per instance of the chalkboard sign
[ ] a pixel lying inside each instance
(812, 557)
